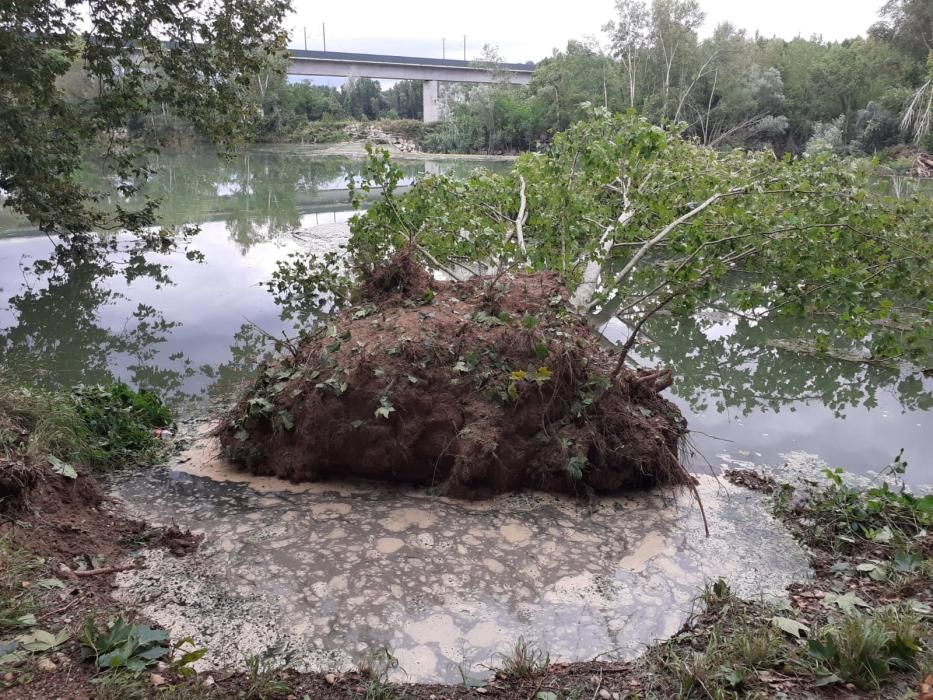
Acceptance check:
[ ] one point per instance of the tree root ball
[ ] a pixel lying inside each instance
(473, 388)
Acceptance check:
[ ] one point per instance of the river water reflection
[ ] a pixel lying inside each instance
(189, 328)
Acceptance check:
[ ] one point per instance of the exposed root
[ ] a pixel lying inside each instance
(473, 388)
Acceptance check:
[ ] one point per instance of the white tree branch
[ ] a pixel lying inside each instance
(670, 227)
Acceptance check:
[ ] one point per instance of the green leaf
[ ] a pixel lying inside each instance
(62, 468)
(147, 635)
(847, 602)
(287, 421)
(925, 505)
(907, 562)
(795, 628)
(50, 583)
(40, 640)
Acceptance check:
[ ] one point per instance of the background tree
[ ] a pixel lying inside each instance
(199, 60)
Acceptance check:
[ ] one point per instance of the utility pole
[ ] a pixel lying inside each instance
(324, 34)
(305, 30)
(464, 47)
(444, 47)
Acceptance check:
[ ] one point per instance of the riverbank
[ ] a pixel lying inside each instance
(357, 149)
(859, 627)
(403, 139)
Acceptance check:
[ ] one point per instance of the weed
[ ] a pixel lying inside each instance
(757, 647)
(717, 594)
(120, 422)
(121, 685)
(264, 677)
(381, 690)
(863, 650)
(524, 661)
(377, 668)
(100, 426)
(16, 603)
(38, 423)
(846, 519)
(123, 645)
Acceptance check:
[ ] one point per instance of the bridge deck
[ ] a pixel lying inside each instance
(420, 62)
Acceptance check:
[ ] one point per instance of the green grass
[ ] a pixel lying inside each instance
(16, 567)
(864, 650)
(523, 661)
(264, 678)
(100, 427)
(50, 423)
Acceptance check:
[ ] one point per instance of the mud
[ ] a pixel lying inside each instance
(328, 573)
(472, 388)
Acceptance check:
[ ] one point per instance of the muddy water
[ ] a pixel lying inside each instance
(330, 573)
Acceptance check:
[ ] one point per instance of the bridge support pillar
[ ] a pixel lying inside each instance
(430, 96)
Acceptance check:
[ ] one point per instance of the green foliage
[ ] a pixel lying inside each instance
(650, 221)
(524, 661)
(120, 422)
(123, 645)
(50, 422)
(92, 426)
(198, 64)
(879, 519)
(864, 650)
(264, 677)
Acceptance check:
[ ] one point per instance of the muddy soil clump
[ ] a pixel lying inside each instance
(472, 387)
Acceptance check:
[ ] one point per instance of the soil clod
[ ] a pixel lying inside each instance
(471, 387)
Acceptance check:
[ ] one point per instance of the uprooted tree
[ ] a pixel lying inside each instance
(490, 382)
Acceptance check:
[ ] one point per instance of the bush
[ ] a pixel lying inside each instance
(100, 426)
(120, 422)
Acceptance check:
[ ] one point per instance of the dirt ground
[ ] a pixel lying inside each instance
(69, 523)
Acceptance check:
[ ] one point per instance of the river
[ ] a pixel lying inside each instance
(324, 574)
(193, 330)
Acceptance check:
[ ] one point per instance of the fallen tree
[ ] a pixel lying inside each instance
(630, 215)
(472, 387)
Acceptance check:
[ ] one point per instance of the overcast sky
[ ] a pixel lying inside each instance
(525, 30)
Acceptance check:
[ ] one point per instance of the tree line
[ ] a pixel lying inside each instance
(287, 107)
(731, 89)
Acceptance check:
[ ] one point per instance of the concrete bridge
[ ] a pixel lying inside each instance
(430, 71)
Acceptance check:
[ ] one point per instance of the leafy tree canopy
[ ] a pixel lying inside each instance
(197, 58)
(635, 216)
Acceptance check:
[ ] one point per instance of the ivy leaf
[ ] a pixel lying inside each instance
(288, 422)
